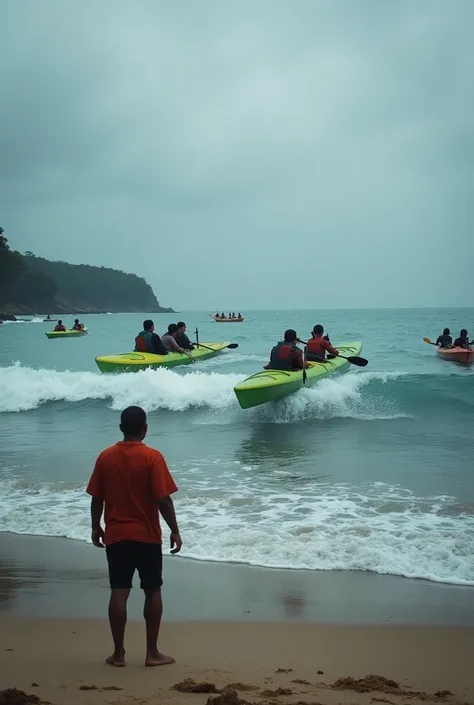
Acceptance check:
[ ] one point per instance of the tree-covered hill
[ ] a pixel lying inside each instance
(30, 284)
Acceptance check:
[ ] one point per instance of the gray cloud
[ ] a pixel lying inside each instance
(244, 155)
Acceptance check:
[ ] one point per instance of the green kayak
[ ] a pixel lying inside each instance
(270, 385)
(65, 334)
(136, 361)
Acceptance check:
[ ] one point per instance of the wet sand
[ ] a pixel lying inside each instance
(50, 577)
(269, 636)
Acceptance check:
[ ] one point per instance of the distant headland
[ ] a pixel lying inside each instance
(31, 284)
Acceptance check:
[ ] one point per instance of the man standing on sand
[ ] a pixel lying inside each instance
(134, 483)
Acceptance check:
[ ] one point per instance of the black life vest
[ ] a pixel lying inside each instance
(143, 342)
(281, 357)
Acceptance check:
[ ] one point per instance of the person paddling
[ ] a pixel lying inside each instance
(59, 327)
(181, 337)
(169, 341)
(445, 340)
(318, 346)
(463, 340)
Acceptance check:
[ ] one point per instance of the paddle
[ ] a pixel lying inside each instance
(353, 359)
(427, 340)
(231, 346)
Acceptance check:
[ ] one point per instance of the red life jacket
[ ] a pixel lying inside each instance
(317, 346)
(281, 356)
(143, 342)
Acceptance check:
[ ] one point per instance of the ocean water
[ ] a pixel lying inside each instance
(370, 470)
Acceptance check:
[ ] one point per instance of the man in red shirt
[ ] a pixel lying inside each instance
(317, 346)
(132, 480)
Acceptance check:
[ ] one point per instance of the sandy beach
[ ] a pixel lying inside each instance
(250, 635)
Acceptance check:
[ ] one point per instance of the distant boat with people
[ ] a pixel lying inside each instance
(230, 318)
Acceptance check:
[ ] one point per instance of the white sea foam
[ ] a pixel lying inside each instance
(24, 389)
(377, 527)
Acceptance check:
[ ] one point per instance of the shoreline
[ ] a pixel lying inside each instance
(51, 577)
(18, 315)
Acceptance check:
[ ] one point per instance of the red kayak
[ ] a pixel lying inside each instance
(460, 355)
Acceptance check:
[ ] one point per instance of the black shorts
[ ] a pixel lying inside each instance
(125, 557)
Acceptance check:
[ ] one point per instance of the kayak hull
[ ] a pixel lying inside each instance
(51, 335)
(459, 355)
(271, 385)
(137, 361)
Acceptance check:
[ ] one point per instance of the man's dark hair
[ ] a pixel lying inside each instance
(172, 328)
(132, 421)
(318, 329)
(59, 322)
(290, 336)
(180, 324)
(464, 333)
(446, 331)
(148, 324)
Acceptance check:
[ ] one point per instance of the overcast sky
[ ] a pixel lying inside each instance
(245, 153)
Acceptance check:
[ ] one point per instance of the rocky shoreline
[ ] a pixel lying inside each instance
(20, 313)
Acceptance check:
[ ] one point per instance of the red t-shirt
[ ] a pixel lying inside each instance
(131, 477)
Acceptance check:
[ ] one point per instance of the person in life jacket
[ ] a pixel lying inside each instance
(463, 340)
(318, 346)
(286, 355)
(77, 325)
(59, 327)
(148, 341)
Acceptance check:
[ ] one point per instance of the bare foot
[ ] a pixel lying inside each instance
(158, 660)
(117, 660)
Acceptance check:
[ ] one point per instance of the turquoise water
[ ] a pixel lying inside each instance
(370, 470)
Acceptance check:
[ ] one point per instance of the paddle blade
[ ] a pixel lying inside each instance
(359, 361)
(232, 346)
(427, 340)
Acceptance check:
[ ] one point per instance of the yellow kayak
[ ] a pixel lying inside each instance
(65, 333)
(136, 361)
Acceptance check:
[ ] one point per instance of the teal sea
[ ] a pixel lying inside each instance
(370, 470)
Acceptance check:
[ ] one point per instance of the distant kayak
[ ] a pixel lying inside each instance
(459, 355)
(136, 361)
(50, 320)
(65, 333)
(270, 385)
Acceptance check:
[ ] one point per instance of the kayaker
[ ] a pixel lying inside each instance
(148, 341)
(77, 325)
(181, 337)
(59, 328)
(318, 346)
(169, 341)
(445, 340)
(238, 315)
(286, 355)
(463, 340)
